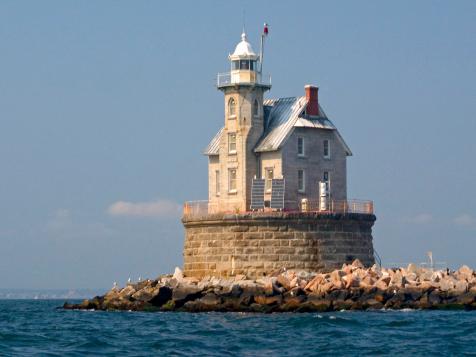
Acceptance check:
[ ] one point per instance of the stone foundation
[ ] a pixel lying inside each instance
(257, 244)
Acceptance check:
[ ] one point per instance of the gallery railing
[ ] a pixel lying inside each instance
(202, 208)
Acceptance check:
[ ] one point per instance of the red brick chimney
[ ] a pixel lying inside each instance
(312, 100)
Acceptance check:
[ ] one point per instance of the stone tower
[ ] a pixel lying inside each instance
(243, 87)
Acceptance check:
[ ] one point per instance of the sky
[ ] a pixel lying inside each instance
(105, 108)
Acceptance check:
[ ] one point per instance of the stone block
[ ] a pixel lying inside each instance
(242, 228)
(255, 235)
(269, 243)
(285, 250)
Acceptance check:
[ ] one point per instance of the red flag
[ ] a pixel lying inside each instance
(265, 30)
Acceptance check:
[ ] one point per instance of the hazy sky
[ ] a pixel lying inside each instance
(106, 106)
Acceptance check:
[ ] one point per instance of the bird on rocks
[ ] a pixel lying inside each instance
(129, 280)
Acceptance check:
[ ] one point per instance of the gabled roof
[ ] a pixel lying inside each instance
(281, 116)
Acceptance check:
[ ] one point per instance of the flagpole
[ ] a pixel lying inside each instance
(263, 35)
(261, 53)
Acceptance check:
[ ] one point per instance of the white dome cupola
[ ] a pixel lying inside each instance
(243, 50)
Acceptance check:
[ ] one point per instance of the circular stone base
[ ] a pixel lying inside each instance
(256, 244)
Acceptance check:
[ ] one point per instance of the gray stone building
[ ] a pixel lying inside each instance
(265, 146)
(290, 138)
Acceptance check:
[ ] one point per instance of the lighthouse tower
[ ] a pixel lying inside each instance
(236, 165)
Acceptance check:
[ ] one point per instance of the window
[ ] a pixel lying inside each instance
(232, 143)
(244, 64)
(231, 180)
(217, 182)
(300, 146)
(327, 149)
(256, 108)
(325, 178)
(231, 108)
(301, 181)
(269, 176)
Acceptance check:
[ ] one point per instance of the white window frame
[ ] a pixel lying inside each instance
(230, 102)
(217, 182)
(328, 156)
(303, 153)
(267, 180)
(230, 142)
(231, 181)
(303, 188)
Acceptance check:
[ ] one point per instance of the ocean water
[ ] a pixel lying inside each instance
(36, 327)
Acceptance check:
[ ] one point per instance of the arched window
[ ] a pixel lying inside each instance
(256, 108)
(231, 108)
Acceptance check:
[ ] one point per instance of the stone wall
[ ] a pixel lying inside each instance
(256, 244)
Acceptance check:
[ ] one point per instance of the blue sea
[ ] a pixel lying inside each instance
(36, 327)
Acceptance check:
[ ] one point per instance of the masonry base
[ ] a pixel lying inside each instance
(257, 244)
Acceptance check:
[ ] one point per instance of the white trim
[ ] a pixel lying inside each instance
(230, 151)
(230, 190)
(217, 183)
(266, 179)
(231, 116)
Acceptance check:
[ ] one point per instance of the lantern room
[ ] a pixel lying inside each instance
(245, 67)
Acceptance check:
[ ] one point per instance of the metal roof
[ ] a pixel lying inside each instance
(214, 145)
(281, 117)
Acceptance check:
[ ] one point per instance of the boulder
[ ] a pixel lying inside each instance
(284, 282)
(312, 285)
(210, 299)
(336, 276)
(316, 303)
(178, 274)
(434, 298)
(162, 295)
(466, 298)
(460, 286)
(184, 293)
(267, 285)
(383, 283)
(465, 272)
(397, 279)
(447, 284)
(268, 300)
(351, 281)
(145, 294)
(367, 282)
(127, 292)
(357, 264)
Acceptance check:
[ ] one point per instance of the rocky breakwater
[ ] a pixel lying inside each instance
(352, 287)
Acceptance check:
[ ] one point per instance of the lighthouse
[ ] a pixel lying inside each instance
(277, 184)
(233, 169)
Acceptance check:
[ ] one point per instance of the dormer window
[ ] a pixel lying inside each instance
(231, 108)
(256, 108)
